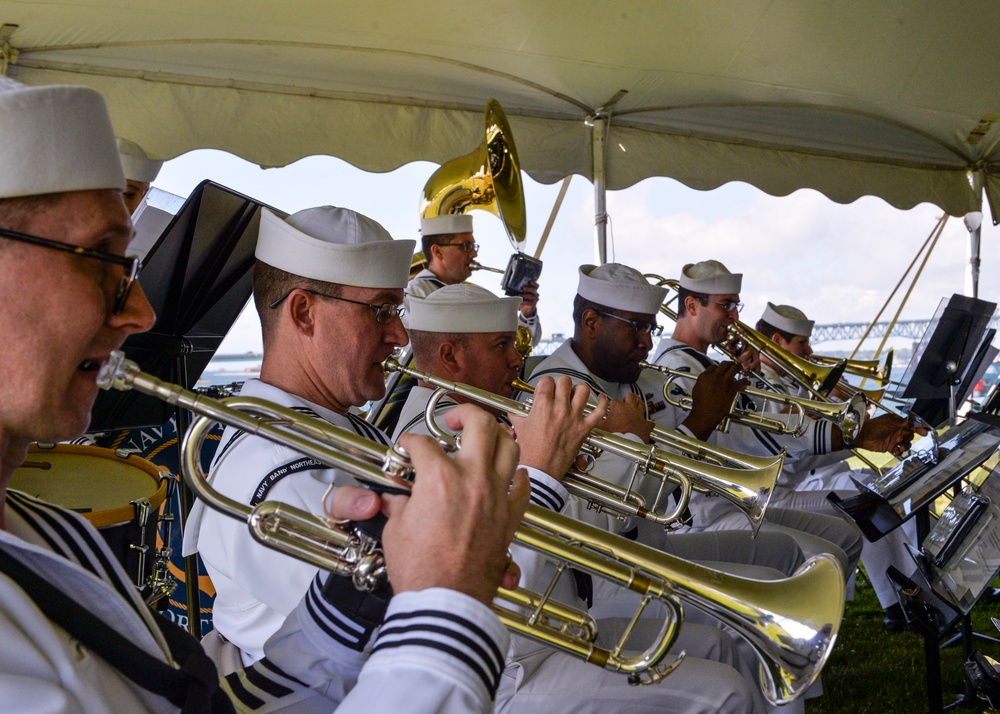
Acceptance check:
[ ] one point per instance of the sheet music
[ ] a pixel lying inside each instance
(976, 562)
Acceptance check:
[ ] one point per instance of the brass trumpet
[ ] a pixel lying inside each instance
(792, 623)
(849, 416)
(817, 379)
(751, 498)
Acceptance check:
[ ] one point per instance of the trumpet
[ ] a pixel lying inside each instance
(792, 623)
(817, 379)
(751, 498)
(849, 416)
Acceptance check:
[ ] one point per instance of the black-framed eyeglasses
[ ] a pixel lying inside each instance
(728, 305)
(642, 328)
(131, 264)
(384, 313)
(468, 246)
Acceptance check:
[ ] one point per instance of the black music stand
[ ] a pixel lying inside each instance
(956, 563)
(197, 277)
(950, 352)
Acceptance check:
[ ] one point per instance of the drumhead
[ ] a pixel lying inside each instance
(100, 484)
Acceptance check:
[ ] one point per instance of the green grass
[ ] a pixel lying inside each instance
(875, 672)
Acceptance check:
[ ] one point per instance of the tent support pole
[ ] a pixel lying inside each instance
(599, 131)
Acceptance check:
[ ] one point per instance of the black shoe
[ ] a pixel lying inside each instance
(895, 620)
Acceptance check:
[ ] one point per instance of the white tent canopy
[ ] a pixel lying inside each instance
(893, 99)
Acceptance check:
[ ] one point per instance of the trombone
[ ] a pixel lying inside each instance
(866, 368)
(792, 623)
(849, 416)
(751, 498)
(817, 379)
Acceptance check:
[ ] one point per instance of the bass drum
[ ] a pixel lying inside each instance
(119, 493)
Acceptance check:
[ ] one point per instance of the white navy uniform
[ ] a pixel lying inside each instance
(257, 587)
(539, 679)
(817, 525)
(425, 282)
(733, 548)
(820, 472)
(445, 663)
(812, 477)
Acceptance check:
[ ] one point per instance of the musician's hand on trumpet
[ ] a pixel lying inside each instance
(712, 397)
(889, 433)
(628, 417)
(454, 529)
(552, 433)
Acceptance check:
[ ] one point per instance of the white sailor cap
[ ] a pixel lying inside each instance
(619, 287)
(335, 245)
(136, 162)
(710, 277)
(445, 225)
(463, 307)
(788, 319)
(55, 138)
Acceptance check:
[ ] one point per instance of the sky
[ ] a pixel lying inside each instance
(837, 263)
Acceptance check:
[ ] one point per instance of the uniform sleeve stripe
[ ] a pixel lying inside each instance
(266, 684)
(87, 552)
(412, 423)
(766, 442)
(449, 617)
(331, 612)
(331, 631)
(247, 699)
(367, 430)
(490, 680)
(546, 497)
(268, 664)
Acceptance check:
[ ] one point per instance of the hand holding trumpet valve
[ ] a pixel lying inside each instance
(454, 529)
(628, 417)
(712, 397)
(888, 433)
(552, 433)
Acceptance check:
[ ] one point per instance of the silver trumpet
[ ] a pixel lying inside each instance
(849, 416)
(791, 623)
(750, 491)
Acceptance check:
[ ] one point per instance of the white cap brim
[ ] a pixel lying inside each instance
(786, 322)
(463, 308)
(619, 287)
(334, 245)
(445, 225)
(54, 139)
(710, 277)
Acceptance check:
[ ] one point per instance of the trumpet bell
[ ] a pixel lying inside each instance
(488, 178)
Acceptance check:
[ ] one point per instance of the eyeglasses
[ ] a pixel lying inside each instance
(384, 313)
(130, 264)
(467, 247)
(728, 305)
(642, 328)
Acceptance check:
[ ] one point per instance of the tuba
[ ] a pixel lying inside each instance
(488, 178)
(792, 623)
